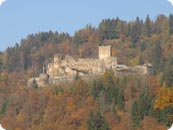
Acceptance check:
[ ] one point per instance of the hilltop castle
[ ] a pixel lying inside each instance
(67, 65)
(67, 68)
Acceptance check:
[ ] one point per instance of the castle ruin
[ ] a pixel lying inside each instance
(67, 65)
(66, 68)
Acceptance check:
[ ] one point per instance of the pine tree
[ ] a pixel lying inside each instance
(136, 30)
(148, 26)
(171, 23)
(96, 122)
(157, 56)
(141, 107)
(168, 74)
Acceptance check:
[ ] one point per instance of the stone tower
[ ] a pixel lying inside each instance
(104, 52)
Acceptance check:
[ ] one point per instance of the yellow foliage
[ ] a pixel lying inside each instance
(164, 98)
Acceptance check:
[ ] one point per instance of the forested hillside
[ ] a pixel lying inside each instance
(107, 103)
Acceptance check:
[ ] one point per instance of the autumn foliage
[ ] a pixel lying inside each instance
(164, 98)
(106, 102)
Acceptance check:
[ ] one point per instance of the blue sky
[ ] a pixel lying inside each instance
(18, 18)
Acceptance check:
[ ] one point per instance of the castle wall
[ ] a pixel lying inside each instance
(145, 69)
(81, 66)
